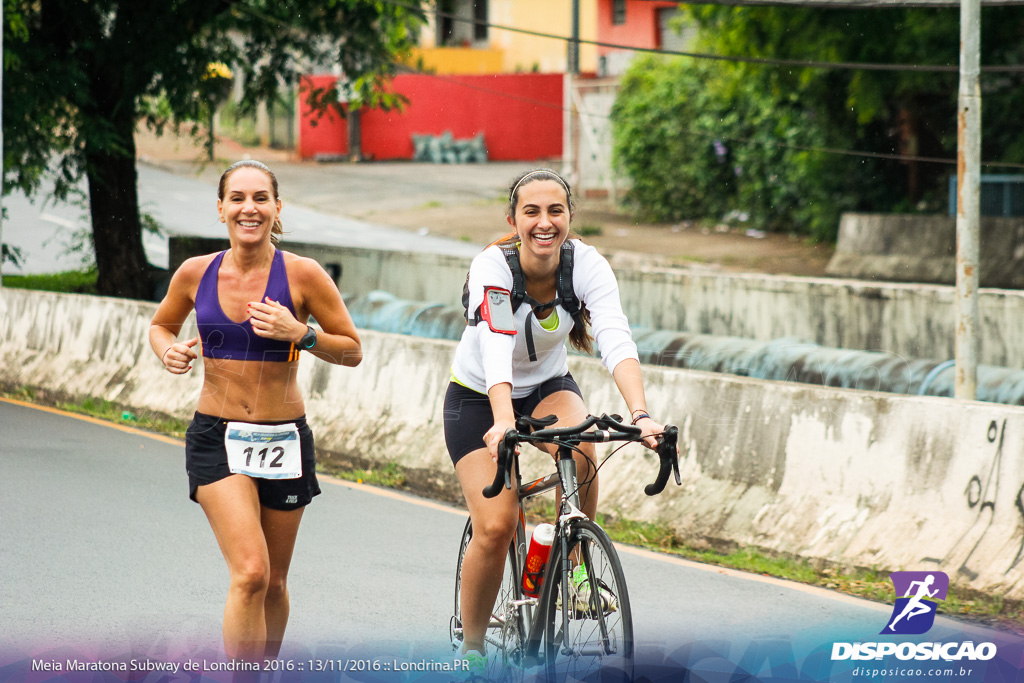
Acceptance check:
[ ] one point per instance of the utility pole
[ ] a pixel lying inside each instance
(572, 69)
(968, 202)
(1, 143)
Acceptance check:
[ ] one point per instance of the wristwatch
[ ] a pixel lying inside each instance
(308, 340)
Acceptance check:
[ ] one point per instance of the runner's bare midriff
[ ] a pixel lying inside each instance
(251, 390)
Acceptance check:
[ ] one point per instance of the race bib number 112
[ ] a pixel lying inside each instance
(264, 451)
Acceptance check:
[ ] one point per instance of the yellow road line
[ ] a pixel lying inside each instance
(97, 421)
(394, 495)
(758, 578)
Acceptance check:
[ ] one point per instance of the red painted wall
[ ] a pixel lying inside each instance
(326, 135)
(640, 29)
(520, 116)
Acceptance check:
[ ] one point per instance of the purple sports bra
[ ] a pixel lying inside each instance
(225, 339)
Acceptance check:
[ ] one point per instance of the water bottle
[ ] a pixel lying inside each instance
(536, 558)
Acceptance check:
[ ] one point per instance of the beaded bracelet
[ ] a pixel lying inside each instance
(640, 417)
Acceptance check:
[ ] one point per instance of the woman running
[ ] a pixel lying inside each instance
(248, 451)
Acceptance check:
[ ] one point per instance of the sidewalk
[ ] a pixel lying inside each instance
(467, 203)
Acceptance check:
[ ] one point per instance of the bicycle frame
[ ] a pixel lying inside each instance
(569, 510)
(566, 440)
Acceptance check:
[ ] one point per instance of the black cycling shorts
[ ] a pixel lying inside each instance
(206, 462)
(468, 416)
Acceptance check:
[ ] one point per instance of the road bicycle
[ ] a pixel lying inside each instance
(580, 626)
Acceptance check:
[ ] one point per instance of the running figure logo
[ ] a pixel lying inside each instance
(917, 594)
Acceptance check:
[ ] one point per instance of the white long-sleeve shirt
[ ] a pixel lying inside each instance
(484, 358)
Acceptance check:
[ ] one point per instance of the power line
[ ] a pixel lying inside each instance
(712, 136)
(804, 64)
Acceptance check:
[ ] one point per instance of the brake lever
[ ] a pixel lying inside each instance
(503, 474)
(667, 453)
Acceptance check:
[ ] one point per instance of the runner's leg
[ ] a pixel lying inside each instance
(232, 507)
(280, 528)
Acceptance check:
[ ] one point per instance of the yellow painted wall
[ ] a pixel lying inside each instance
(518, 51)
(460, 60)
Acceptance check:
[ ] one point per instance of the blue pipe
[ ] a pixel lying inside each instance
(784, 359)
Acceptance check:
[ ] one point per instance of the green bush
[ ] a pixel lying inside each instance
(700, 140)
(800, 143)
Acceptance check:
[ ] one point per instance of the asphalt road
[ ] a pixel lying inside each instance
(104, 556)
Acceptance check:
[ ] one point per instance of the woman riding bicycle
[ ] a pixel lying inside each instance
(512, 361)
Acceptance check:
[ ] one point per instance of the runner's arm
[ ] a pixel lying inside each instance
(337, 341)
(170, 316)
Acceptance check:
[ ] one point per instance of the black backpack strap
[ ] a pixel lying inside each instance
(518, 279)
(566, 294)
(465, 302)
(535, 307)
(518, 292)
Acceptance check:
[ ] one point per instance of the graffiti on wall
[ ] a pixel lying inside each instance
(982, 495)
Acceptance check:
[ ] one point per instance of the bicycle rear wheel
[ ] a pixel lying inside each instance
(509, 622)
(590, 639)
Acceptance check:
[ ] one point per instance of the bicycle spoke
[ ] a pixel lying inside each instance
(593, 640)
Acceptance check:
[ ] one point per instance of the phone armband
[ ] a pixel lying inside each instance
(496, 310)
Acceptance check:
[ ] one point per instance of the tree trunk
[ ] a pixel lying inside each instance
(910, 146)
(355, 135)
(116, 229)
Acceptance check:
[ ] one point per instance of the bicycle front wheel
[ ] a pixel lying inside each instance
(510, 616)
(588, 634)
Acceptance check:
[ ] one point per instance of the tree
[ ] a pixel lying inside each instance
(766, 119)
(80, 76)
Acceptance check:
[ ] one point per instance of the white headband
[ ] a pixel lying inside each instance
(542, 170)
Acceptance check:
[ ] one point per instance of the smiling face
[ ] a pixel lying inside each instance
(248, 205)
(541, 217)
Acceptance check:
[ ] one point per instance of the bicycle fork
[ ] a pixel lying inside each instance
(570, 512)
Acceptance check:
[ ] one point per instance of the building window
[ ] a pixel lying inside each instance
(618, 12)
(480, 19)
(461, 22)
(673, 34)
(445, 23)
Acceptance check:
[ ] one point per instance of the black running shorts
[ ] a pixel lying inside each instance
(468, 416)
(206, 462)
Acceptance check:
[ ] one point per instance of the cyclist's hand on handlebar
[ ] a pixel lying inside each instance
(495, 434)
(649, 428)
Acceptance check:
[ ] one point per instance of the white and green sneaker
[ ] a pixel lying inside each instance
(584, 606)
(471, 666)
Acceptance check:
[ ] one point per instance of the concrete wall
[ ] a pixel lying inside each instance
(418, 276)
(845, 476)
(922, 248)
(910, 320)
